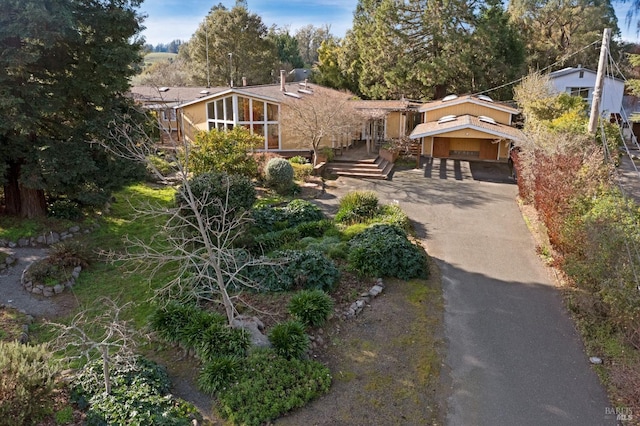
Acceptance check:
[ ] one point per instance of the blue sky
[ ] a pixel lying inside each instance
(168, 20)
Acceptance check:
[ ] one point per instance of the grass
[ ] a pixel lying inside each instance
(11, 322)
(13, 228)
(153, 57)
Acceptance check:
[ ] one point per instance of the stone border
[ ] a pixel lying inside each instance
(357, 306)
(9, 261)
(24, 336)
(47, 290)
(48, 238)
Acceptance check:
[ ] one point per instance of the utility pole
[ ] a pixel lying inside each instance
(230, 69)
(597, 91)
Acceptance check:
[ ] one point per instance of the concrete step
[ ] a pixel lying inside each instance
(374, 169)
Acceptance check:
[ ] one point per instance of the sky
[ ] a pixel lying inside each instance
(169, 20)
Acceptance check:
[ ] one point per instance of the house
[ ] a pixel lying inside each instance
(258, 108)
(387, 120)
(582, 81)
(163, 101)
(466, 127)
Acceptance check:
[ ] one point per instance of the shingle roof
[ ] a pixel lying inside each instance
(433, 128)
(442, 103)
(572, 70)
(390, 105)
(172, 95)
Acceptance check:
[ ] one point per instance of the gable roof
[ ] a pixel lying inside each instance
(477, 100)
(387, 105)
(572, 70)
(433, 128)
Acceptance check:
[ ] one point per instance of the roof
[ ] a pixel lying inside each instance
(433, 128)
(267, 92)
(478, 100)
(572, 70)
(171, 96)
(390, 105)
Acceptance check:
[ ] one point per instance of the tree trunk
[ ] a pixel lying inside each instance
(20, 200)
(105, 370)
(12, 190)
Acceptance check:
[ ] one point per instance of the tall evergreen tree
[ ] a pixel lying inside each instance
(66, 66)
(286, 47)
(237, 47)
(496, 53)
(558, 30)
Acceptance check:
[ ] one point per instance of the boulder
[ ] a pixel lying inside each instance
(254, 327)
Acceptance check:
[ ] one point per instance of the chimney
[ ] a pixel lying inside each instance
(244, 81)
(306, 80)
(282, 80)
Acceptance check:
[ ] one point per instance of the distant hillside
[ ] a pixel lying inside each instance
(152, 58)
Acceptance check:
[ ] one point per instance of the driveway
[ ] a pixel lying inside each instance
(514, 357)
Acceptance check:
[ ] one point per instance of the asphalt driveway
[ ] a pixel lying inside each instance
(513, 355)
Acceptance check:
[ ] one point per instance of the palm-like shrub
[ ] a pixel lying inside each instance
(219, 372)
(357, 206)
(311, 307)
(289, 339)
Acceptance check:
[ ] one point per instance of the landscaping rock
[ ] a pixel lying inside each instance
(74, 229)
(53, 238)
(10, 260)
(254, 327)
(58, 288)
(76, 271)
(23, 242)
(47, 291)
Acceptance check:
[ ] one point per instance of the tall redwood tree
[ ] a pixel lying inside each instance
(65, 68)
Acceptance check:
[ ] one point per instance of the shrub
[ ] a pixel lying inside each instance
(268, 218)
(392, 214)
(357, 206)
(218, 373)
(274, 240)
(310, 269)
(270, 386)
(301, 171)
(289, 339)
(26, 383)
(219, 340)
(138, 396)
(279, 174)
(384, 250)
(236, 191)
(69, 253)
(184, 324)
(311, 307)
(65, 209)
(225, 151)
(298, 159)
(300, 211)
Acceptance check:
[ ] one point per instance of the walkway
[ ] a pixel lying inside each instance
(514, 357)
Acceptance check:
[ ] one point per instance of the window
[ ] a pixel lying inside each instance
(272, 112)
(243, 109)
(272, 136)
(258, 110)
(583, 92)
(169, 114)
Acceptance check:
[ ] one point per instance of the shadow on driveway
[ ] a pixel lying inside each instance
(453, 169)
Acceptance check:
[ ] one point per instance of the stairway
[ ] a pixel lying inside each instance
(370, 169)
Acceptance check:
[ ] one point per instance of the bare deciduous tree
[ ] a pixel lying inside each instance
(320, 117)
(198, 235)
(105, 335)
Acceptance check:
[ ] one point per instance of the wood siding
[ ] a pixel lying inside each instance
(471, 109)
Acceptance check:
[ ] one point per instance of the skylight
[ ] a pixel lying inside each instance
(293, 95)
(485, 98)
(204, 92)
(449, 98)
(306, 91)
(163, 89)
(486, 119)
(447, 119)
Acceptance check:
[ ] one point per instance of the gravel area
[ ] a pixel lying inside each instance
(12, 293)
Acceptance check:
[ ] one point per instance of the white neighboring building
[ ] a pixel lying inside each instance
(581, 82)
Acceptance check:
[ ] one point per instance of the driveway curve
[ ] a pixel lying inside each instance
(513, 356)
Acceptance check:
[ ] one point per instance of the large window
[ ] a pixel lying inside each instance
(583, 92)
(260, 117)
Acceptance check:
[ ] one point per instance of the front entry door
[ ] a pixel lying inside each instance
(441, 147)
